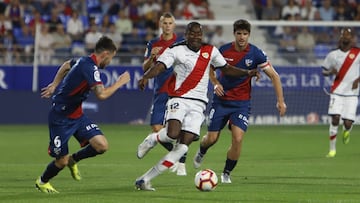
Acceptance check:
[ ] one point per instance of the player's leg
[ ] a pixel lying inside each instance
(168, 134)
(95, 144)
(335, 109)
(233, 153)
(238, 124)
(348, 116)
(218, 117)
(58, 148)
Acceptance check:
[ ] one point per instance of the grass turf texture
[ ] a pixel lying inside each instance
(278, 164)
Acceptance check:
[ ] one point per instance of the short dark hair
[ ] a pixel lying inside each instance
(242, 25)
(191, 25)
(105, 44)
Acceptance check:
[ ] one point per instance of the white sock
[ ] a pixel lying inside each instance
(163, 137)
(166, 162)
(332, 136)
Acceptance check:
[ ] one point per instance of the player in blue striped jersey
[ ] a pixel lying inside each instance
(70, 87)
(231, 103)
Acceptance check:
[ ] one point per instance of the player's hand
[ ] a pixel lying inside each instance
(219, 90)
(281, 106)
(355, 84)
(47, 91)
(254, 73)
(333, 71)
(123, 78)
(142, 83)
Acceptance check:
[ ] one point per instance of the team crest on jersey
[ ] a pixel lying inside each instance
(248, 62)
(205, 55)
(97, 76)
(351, 56)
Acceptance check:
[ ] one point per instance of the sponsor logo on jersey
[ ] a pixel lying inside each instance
(248, 62)
(205, 55)
(97, 76)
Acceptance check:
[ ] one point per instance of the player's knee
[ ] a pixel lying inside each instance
(102, 148)
(210, 138)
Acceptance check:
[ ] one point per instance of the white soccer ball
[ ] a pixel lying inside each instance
(206, 180)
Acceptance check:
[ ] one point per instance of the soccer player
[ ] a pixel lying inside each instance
(344, 63)
(154, 48)
(231, 103)
(188, 88)
(71, 86)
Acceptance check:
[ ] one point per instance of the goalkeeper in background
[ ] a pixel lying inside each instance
(344, 63)
(231, 103)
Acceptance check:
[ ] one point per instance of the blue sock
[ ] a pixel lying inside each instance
(84, 153)
(51, 171)
(229, 166)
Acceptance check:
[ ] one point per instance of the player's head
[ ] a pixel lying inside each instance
(167, 23)
(346, 37)
(105, 49)
(193, 35)
(242, 29)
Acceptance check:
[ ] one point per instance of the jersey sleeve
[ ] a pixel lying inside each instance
(167, 57)
(328, 61)
(262, 59)
(217, 60)
(92, 75)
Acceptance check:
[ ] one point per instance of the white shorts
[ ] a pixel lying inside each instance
(343, 106)
(189, 112)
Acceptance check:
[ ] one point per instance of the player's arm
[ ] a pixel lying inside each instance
(356, 83)
(150, 60)
(103, 93)
(47, 91)
(275, 79)
(218, 88)
(152, 72)
(328, 72)
(239, 72)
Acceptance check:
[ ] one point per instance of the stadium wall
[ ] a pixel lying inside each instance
(303, 90)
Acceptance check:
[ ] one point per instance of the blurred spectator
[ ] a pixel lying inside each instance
(115, 7)
(54, 20)
(45, 44)
(321, 33)
(291, 8)
(44, 7)
(123, 24)
(218, 39)
(327, 11)
(308, 10)
(259, 5)
(36, 20)
(288, 44)
(26, 41)
(357, 13)
(150, 10)
(112, 34)
(62, 41)
(79, 6)
(271, 11)
(204, 10)
(305, 44)
(91, 38)
(188, 10)
(133, 11)
(342, 13)
(75, 27)
(105, 24)
(10, 49)
(5, 25)
(15, 12)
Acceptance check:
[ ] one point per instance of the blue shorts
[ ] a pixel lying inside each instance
(158, 109)
(62, 128)
(234, 112)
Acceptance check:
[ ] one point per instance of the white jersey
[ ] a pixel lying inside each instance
(191, 69)
(348, 66)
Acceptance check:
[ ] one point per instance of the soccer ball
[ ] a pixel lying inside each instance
(206, 180)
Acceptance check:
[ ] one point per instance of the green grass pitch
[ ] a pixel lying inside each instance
(278, 164)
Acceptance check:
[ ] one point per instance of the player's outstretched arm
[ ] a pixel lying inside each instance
(356, 83)
(328, 72)
(103, 93)
(275, 79)
(239, 72)
(47, 91)
(152, 72)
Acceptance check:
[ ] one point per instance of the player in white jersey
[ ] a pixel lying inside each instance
(344, 63)
(191, 60)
